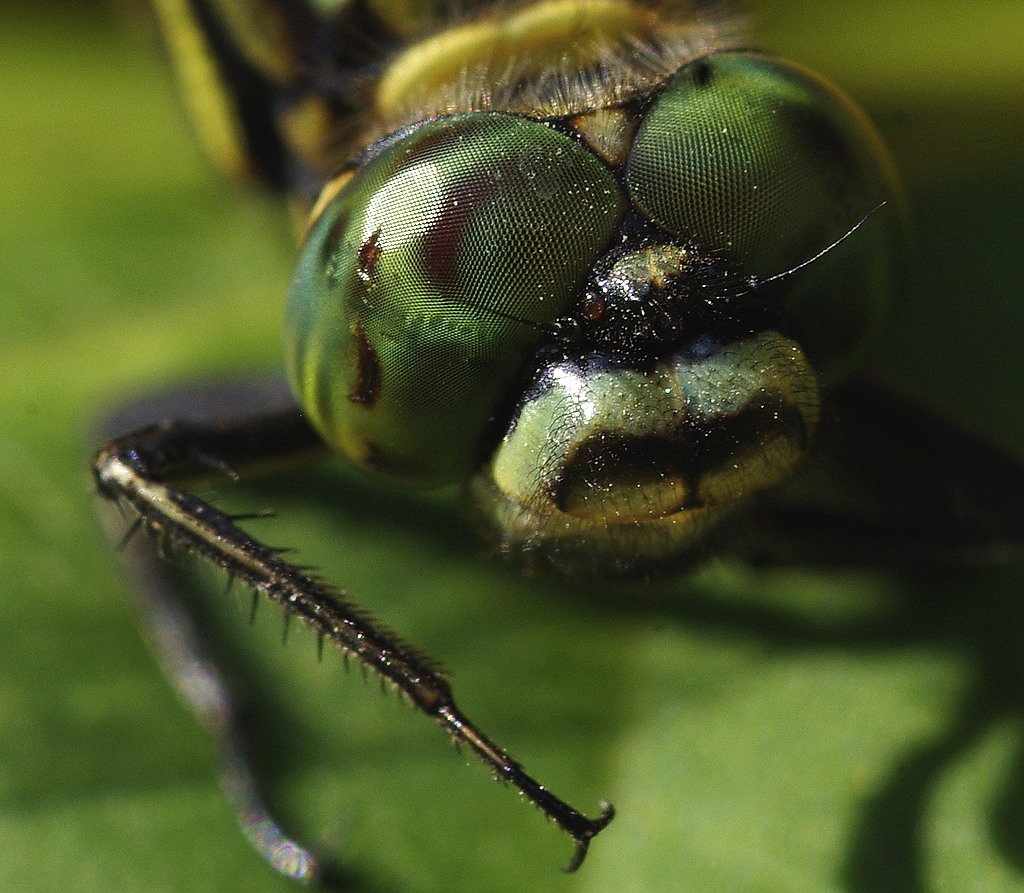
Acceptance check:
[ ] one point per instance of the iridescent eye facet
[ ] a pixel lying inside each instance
(762, 163)
(416, 298)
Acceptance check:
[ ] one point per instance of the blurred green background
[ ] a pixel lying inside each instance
(786, 731)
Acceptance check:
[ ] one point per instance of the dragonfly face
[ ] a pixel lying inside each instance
(574, 309)
(591, 259)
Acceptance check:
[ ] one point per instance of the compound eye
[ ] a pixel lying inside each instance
(762, 163)
(421, 286)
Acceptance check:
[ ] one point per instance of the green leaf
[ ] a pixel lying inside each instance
(758, 731)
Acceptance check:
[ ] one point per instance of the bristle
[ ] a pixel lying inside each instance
(135, 526)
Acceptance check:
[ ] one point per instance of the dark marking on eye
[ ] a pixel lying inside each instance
(443, 242)
(702, 73)
(368, 371)
(368, 256)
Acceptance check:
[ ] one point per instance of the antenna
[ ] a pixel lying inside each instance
(757, 283)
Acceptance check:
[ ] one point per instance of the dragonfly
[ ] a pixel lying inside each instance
(598, 262)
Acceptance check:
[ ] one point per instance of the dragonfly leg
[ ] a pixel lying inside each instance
(145, 472)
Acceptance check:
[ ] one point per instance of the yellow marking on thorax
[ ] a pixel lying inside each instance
(524, 43)
(307, 127)
(259, 30)
(202, 89)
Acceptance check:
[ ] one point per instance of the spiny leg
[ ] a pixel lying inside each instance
(142, 470)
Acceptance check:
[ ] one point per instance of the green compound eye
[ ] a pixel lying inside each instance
(761, 162)
(411, 313)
